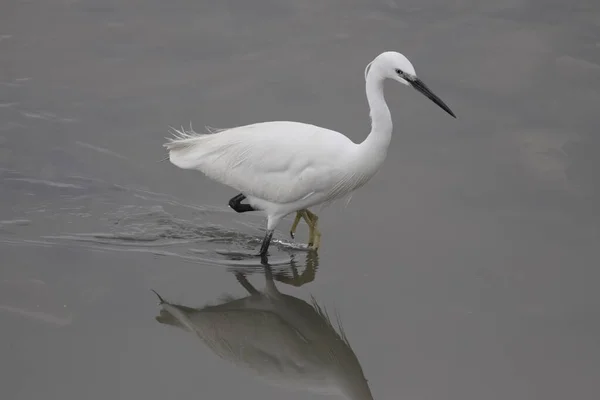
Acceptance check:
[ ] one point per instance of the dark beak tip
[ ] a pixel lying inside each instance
(421, 87)
(450, 112)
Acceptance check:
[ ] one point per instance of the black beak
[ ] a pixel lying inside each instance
(421, 87)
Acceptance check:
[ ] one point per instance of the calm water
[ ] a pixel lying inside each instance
(468, 268)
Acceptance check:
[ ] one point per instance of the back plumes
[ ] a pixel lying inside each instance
(183, 139)
(184, 146)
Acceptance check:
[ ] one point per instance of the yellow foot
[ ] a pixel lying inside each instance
(314, 235)
(299, 215)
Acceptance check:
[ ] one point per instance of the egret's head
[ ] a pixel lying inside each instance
(393, 65)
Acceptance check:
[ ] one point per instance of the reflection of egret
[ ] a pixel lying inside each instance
(282, 339)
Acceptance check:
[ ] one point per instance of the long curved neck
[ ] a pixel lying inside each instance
(381, 119)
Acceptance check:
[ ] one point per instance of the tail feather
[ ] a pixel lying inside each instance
(189, 150)
(182, 139)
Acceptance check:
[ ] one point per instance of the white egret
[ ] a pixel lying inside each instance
(282, 167)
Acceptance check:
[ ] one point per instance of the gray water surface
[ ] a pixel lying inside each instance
(468, 268)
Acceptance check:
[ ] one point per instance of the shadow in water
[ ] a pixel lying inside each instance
(281, 339)
(284, 270)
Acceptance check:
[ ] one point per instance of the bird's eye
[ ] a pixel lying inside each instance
(399, 72)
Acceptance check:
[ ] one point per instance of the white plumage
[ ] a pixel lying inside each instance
(283, 167)
(279, 162)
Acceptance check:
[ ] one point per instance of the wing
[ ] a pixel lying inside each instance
(279, 161)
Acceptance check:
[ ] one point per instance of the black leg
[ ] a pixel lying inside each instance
(265, 244)
(236, 204)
